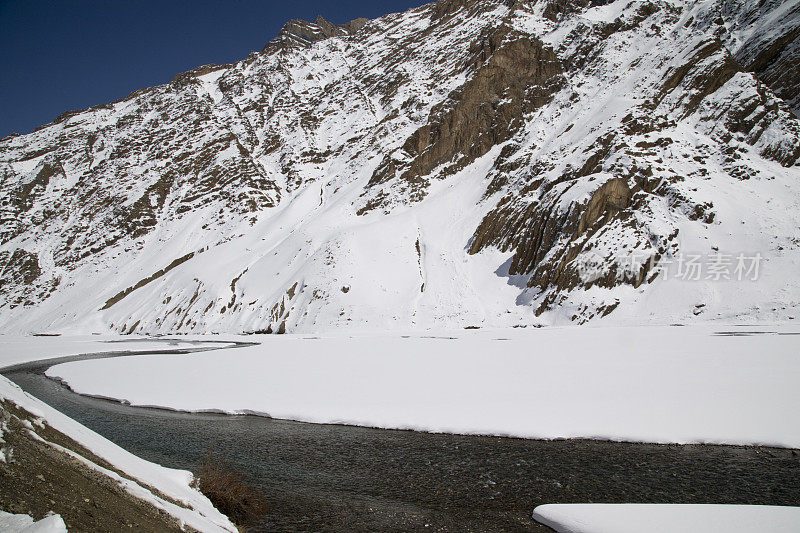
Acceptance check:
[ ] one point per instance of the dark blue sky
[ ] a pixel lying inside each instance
(63, 55)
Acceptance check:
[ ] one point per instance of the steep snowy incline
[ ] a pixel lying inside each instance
(469, 163)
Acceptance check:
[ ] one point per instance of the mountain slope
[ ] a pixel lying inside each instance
(466, 163)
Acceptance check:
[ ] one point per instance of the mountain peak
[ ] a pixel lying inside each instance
(303, 34)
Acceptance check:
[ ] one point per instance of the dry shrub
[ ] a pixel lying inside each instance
(229, 491)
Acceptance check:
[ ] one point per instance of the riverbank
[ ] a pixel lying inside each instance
(52, 464)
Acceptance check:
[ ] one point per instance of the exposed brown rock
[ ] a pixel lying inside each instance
(514, 74)
(700, 79)
(149, 279)
(772, 55)
(611, 198)
(39, 478)
(557, 9)
(18, 267)
(302, 33)
(186, 77)
(443, 9)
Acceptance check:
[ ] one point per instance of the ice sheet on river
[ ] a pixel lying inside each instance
(634, 518)
(653, 384)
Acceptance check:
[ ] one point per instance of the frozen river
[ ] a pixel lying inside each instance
(341, 478)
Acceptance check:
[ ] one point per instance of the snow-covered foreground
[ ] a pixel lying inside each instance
(635, 518)
(652, 384)
(195, 510)
(22, 523)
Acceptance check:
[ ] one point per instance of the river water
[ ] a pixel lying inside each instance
(340, 478)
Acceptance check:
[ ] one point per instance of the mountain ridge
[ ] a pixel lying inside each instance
(454, 165)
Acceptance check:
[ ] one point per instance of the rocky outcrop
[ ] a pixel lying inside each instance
(771, 45)
(546, 235)
(19, 266)
(303, 34)
(558, 232)
(444, 9)
(21, 196)
(513, 75)
(22, 279)
(703, 71)
(555, 10)
(185, 78)
(777, 66)
(611, 198)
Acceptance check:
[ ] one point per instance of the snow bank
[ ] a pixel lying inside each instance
(22, 523)
(197, 511)
(654, 518)
(652, 384)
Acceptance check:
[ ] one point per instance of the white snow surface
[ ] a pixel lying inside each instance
(197, 511)
(22, 523)
(18, 349)
(657, 518)
(651, 384)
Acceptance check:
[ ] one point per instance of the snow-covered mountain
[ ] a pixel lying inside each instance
(470, 163)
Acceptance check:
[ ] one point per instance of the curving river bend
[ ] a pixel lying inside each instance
(340, 478)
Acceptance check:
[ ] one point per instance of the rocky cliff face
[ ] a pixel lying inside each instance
(301, 33)
(466, 163)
